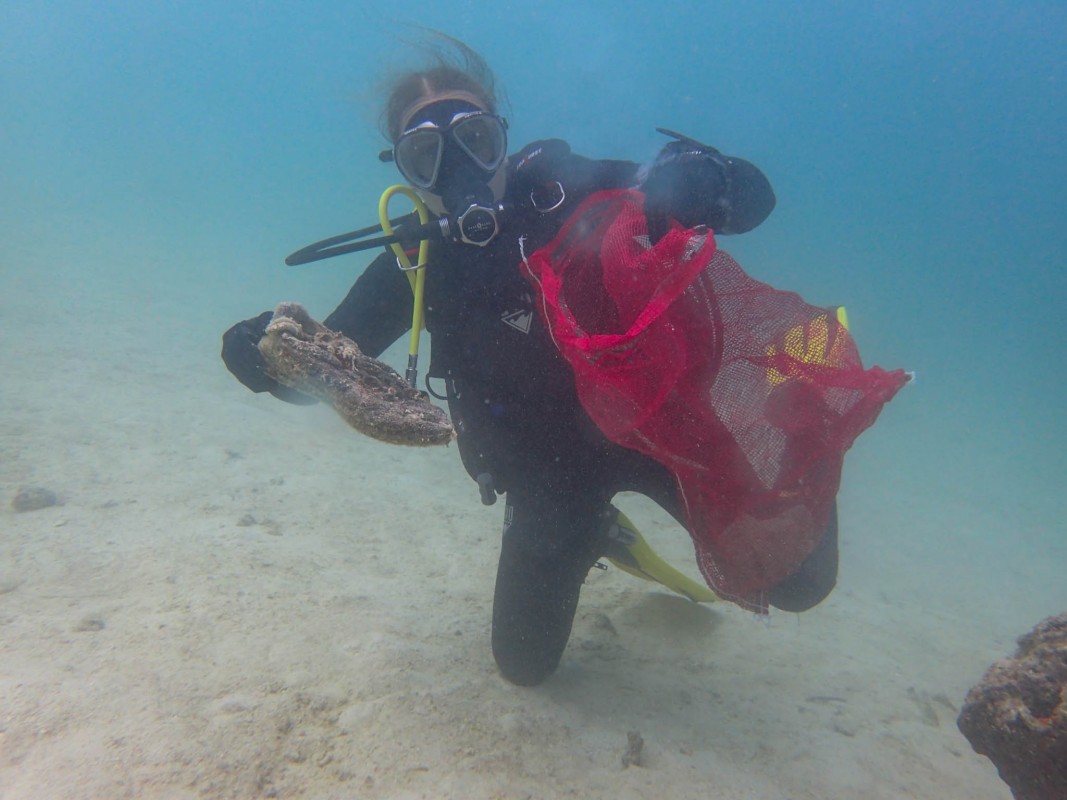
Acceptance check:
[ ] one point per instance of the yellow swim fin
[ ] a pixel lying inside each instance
(636, 556)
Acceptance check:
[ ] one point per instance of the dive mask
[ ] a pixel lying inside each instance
(420, 151)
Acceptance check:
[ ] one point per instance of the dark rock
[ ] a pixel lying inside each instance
(635, 746)
(1017, 714)
(32, 498)
(91, 623)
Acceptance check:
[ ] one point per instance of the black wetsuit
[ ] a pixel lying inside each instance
(513, 401)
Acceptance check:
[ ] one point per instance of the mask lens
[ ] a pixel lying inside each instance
(418, 156)
(483, 138)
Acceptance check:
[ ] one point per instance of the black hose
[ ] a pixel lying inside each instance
(345, 242)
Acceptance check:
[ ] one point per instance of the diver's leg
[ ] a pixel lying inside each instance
(636, 472)
(550, 543)
(815, 578)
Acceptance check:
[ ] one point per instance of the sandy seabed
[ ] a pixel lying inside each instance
(236, 598)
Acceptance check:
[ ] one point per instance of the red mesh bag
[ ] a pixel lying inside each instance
(747, 394)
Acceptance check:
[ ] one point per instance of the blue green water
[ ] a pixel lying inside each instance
(171, 154)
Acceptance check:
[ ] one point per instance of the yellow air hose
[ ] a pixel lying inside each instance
(416, 273)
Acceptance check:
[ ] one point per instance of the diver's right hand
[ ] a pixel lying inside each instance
(240, 353)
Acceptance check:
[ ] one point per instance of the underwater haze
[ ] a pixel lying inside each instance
(159, 160)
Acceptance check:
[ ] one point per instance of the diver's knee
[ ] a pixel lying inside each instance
(524, 668)
(529, 635)
(814, 579)
(796, 596)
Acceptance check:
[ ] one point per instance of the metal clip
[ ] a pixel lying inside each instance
(562, 195)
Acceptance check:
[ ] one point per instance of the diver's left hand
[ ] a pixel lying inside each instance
(689, 183)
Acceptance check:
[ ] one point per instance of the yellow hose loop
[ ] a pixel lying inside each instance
(416, 273)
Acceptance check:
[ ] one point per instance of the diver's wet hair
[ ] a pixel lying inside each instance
(451, 66)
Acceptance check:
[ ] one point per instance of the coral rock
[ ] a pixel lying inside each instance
(1017, 714)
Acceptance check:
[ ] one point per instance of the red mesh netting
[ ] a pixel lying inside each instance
(749, 395)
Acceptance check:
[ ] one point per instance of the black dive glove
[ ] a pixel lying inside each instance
(694, 184)
(240, 353)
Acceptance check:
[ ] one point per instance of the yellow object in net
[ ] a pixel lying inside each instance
(811, 343)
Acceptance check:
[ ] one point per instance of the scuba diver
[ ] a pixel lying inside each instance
(522, 431)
